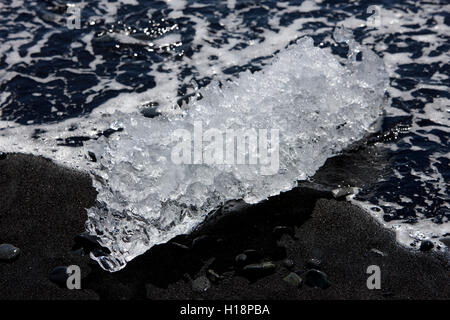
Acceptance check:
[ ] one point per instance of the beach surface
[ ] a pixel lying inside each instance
(42, 209)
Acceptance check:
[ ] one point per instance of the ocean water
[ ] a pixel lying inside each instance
(67, 68)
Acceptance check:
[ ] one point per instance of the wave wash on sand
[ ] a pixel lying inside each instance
(318, 105)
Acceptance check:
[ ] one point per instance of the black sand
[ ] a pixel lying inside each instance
(42, 209)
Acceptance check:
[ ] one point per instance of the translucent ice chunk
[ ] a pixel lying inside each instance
(318, 105)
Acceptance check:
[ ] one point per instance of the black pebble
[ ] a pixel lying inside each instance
(259, 269)
(293, 279)
(59, 276)
(313, 264)
(8, 252)
(150, 112)
(316, 278)
(92, 156)
(426, 245)
(3, 156)
(241, 259)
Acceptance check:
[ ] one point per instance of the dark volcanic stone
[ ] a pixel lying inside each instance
(316, 278)
(293, 279)
(259, 269)
(241, 259)
(59, 276)
(150, 112)
(2, 155)
(313, 264)
(201, 284)
(426, 245)
(8, 252)
(92, 156)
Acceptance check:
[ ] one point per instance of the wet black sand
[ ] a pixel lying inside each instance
(42, 209)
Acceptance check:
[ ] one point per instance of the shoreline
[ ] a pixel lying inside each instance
(42, 210)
